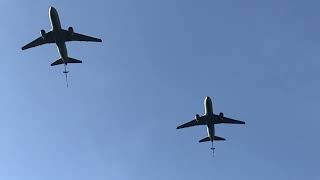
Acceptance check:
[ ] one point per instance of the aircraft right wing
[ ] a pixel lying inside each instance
(40, 41)
(194, 122)
(80, 37)
(226, 120)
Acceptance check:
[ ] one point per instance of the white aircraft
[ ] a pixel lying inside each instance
(59, 36)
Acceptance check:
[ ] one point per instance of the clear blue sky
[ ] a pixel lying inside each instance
(158, 60)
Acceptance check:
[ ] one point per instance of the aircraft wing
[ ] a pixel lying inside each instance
(81, 37)
(40, 41)
(226, 120)
(193, 123)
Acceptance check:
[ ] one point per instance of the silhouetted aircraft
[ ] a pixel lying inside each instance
(209, 119)
(59, 36)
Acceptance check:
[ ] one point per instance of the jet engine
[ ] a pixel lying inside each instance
(221, 116)
(70, 29)
(197, 117)
(43, 33)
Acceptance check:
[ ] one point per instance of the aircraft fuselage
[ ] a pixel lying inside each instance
(210, 117)
(58, 35)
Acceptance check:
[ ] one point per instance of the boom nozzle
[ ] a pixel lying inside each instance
(212, 148)
(66, 73)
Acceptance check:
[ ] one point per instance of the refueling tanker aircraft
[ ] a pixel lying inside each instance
(209, 119)
(59, 36)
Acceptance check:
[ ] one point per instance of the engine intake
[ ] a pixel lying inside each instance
(70, 29)
(43, 33)
(221, 116)
(197, 117)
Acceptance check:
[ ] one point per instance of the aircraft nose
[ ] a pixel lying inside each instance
(207, 100)
(52, 9)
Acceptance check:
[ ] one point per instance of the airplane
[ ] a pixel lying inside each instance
(59, 36)
(209, 119)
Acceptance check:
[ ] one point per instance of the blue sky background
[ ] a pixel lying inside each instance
(259, 60)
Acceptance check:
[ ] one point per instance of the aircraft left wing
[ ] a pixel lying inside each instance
(40, 41)
(194, 122)
(226, 120)
(80, 37)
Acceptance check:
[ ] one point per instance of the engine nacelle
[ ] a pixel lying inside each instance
(43, 33)
(70, 29)
(197, 117)
(221, 116)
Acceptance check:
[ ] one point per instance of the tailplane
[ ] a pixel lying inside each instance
(72, 60)
(204, 139)
(215, 138)
(57, 62)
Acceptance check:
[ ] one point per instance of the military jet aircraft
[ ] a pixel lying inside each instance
(209, 119)
(59, 36)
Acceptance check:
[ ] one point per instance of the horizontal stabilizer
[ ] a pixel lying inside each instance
(72, 60)
(57, 62)
(217, 138)
(204, 139)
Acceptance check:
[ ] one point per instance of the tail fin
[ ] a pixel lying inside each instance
(217, 138)
(204, 139)
(57, 62)
(72, 60)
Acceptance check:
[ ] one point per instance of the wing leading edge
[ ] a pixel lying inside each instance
(226, 120)
(40, 41)
(201, 121)
(81, 37)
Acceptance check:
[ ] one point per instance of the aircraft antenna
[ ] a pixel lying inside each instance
(66, 73)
